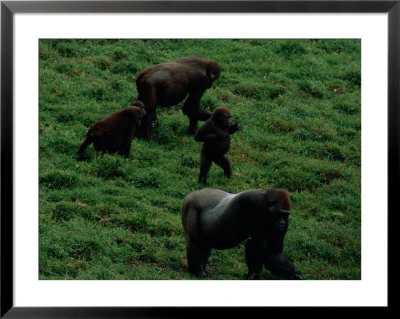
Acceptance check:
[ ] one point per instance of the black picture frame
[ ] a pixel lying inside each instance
(9, 8)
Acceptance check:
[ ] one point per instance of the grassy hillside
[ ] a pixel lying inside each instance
(108, 217)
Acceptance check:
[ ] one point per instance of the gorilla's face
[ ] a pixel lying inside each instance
(222, 117)
(280, 221)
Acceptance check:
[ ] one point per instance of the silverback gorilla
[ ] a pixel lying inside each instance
(115, 132)
(215, 133)
(216, 219)
(167, 84)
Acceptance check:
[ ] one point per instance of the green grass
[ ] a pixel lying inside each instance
(108, 217)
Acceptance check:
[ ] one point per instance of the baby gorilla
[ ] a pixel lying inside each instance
(212, 218)
(215, 133)
(115, 132)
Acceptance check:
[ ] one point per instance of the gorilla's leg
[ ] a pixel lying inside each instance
(100, 145)
(196, 257)
(205, 165)
(125, 148)
(225, 164)
(192, 109)
(148, 95)
(254, 258)
(206, 255)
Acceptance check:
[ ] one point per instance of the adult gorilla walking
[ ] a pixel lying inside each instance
(169, 83)
(214, 219)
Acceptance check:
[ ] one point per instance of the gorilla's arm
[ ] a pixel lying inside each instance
(234, 128)
(206, 134)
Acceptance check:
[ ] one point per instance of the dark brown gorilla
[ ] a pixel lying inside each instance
(215, 133)
(167, 84)
(214, 219)
(116, 131)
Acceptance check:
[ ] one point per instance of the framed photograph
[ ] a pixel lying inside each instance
(158, 155)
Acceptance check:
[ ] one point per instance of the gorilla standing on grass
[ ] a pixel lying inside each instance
(169, 83)
(215, 133)
(115, 132)
(214, 219)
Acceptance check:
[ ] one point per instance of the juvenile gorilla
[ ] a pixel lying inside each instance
(215, 133)
(215, 219)
(115, 132)
(167, 84)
